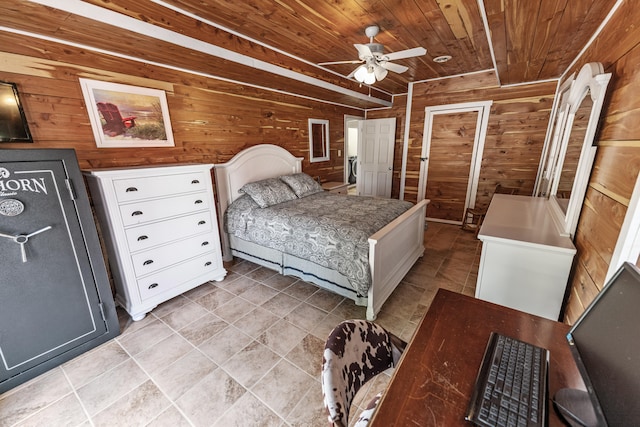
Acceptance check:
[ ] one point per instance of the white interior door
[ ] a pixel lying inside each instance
(375, 157)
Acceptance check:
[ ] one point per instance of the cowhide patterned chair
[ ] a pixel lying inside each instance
(355, 352)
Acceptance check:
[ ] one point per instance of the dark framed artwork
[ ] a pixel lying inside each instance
(13, 122)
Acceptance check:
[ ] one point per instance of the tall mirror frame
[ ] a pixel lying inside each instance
(318, 140)
(551, 149)
(576, 150)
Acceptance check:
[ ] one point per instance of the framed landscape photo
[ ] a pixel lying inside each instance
(127, 116)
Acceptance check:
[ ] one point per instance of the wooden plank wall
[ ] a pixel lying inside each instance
(515, 136)
(212, 119)
(617, 161)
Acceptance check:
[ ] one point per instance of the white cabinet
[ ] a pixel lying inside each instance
(525, 262)
(160, 230)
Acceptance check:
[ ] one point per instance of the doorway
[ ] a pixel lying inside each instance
(351, 136)
(451, 157)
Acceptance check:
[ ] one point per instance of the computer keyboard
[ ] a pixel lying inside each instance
(511, 387)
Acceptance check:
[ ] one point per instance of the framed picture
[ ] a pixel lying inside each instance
(13, 123)
(127, 116)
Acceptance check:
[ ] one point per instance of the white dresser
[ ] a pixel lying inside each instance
(525, 262)
(160, 230)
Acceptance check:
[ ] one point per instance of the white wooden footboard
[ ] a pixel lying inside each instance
(392, 252)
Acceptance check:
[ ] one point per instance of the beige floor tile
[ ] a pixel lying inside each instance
(183, 374)
(324, 300)
(170, 417)
(306, 316)
(310, 411)
(164, 353)
(282, 337)
(307, 355)
(249, 411)
(281, 304)
(225, 344)
(283, 387)
(111, 386)
(209, 398)
(206, 327)
(94, 363)
(258, 294)
(251, 363)
(186, 314)
(256, 322)
(137, 408)
(65, 411)
(234, 309)
(151, 333)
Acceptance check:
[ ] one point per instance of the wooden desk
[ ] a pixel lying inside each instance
(433, 382)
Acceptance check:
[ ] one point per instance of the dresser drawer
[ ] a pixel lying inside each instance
(165, 280)
(159, 186)
(149, 235)
(157, 258)
(151, 210)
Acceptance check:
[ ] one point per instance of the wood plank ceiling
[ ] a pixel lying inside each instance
(277, 43)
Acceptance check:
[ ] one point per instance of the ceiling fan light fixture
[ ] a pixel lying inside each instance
(365, 75)
(370, 78)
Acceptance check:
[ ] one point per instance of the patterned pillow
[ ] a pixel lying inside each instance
(302, 184)
(268, 192)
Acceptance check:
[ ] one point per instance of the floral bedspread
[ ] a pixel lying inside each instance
(329, 229)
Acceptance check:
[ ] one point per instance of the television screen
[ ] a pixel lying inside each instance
(13, 123)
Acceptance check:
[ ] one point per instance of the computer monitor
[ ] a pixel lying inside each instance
(605, 342)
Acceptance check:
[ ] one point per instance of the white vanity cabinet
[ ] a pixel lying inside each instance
(525, 261)
(160, 231)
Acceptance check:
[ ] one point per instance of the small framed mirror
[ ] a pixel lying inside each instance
(577, 118)
(318, 140)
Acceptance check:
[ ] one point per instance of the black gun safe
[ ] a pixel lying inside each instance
(55, 298)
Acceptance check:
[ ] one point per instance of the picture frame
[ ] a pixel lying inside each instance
(13, 122)
(127, 116)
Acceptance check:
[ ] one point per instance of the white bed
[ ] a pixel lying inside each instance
(392, 250)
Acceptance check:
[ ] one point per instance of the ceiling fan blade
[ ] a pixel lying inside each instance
(355, 61)
(393, 67)
(363, 51)
(409, 53)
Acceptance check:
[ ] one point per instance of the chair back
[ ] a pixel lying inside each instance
(355, 352)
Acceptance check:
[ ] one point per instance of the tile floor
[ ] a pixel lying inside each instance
(246, 351)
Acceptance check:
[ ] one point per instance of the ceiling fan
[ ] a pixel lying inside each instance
(375, 63)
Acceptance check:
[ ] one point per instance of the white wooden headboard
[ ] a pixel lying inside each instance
(253, 164)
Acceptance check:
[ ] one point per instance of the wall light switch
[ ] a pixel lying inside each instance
(339, 153)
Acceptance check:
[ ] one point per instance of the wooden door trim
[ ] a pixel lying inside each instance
(483, 110)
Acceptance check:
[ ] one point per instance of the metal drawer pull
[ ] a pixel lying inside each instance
(205, 243)
(195, 181)
(130, 189)
(136, 213)
(142, 238)
(197, 202)
(207, 264)
(153, 285)
(202, 222)
(147, 262)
